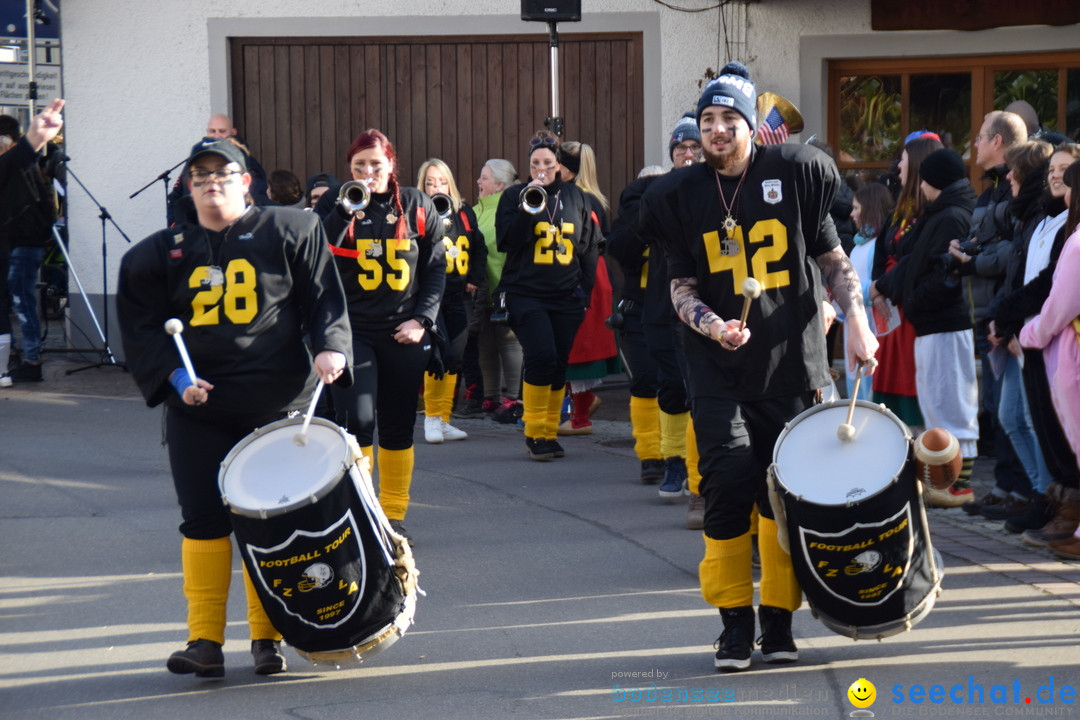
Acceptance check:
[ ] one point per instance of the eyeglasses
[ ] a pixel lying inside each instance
(685, 149)
(984, 137)
(219, 175)
(546, 141)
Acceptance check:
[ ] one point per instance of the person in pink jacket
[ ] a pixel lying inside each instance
(1056, 329)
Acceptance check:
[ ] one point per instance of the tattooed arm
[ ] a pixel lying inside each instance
(843, 283)
(699, 316)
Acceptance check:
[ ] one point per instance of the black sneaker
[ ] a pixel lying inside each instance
(268, 657)
(736, 643)
(399, 527)
(652, 471)
(777, 645)
(1012, 507)
(1039, 512)
(539, 449)
(27, 372)
(202, 657)
(988, 500)
(473, 408)
(556, 448)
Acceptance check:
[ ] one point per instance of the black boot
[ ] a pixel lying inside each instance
(202, 657)
(1039, 512)
(268, 657)
(777, 645)
(737, 641)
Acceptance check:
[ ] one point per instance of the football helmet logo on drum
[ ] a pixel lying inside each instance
(864, 562)
(315, 577)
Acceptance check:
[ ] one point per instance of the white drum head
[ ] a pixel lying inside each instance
(267, 473)
(815, 465)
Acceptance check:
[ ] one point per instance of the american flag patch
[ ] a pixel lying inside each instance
(176, 253)
(773, 129)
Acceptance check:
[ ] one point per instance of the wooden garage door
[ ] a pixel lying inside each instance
(299, 102)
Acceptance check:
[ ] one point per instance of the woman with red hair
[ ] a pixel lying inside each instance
(391, 259)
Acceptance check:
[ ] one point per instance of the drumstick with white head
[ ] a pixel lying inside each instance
(846, 432)
(300, 438)
(751, 290)
(175, 327)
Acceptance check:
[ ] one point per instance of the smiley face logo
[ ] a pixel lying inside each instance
(862, 693)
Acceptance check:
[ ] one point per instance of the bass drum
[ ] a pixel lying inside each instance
(335, 580)
(854, 520)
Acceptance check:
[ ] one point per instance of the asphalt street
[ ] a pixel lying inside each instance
(554, 590)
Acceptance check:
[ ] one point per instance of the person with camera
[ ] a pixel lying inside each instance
(551, 240)
(923, 287)
(983, 255)
(1027, 163)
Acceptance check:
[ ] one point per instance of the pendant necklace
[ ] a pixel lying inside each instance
(729, 245)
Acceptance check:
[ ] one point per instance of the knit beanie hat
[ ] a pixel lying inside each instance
(942, 168)
(685, 129)
(734, 89)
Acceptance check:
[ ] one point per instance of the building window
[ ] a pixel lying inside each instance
(874, 103)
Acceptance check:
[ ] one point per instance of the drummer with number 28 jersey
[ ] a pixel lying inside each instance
(760, 212)
(246, 282)
(391, 259)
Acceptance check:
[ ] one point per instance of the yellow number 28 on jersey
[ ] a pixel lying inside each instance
(241, 301)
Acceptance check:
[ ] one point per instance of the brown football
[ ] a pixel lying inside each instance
(937, 458)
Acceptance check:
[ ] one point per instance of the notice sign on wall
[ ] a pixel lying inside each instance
(15, 83)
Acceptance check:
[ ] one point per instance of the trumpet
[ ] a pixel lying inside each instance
(444, 205)
(354, 196)
(533, 199)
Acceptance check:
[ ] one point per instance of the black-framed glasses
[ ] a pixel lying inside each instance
(546, 142)
(219, 175)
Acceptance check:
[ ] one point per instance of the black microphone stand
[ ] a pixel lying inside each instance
(107, 357)
(164, 177)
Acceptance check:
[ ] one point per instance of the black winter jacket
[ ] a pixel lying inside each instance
(931, 300)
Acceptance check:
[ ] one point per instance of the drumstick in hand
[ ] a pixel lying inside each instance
(175, 327)
(846, 432)
(751, 290)
(300, 438)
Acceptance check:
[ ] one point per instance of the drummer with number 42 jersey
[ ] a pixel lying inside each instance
(247, 282)
(760, 212)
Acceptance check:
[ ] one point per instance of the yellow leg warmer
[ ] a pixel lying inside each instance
(554, 410)
(433, 395)
(395, 477)
(692, 458)
(673, 434)
(207, 566)
(258, 621)
(779, 588)
(449, 383)
(755, 516)
(645, 426)
(725, 574)
(534, 408)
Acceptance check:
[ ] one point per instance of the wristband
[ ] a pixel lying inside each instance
(180, 380)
